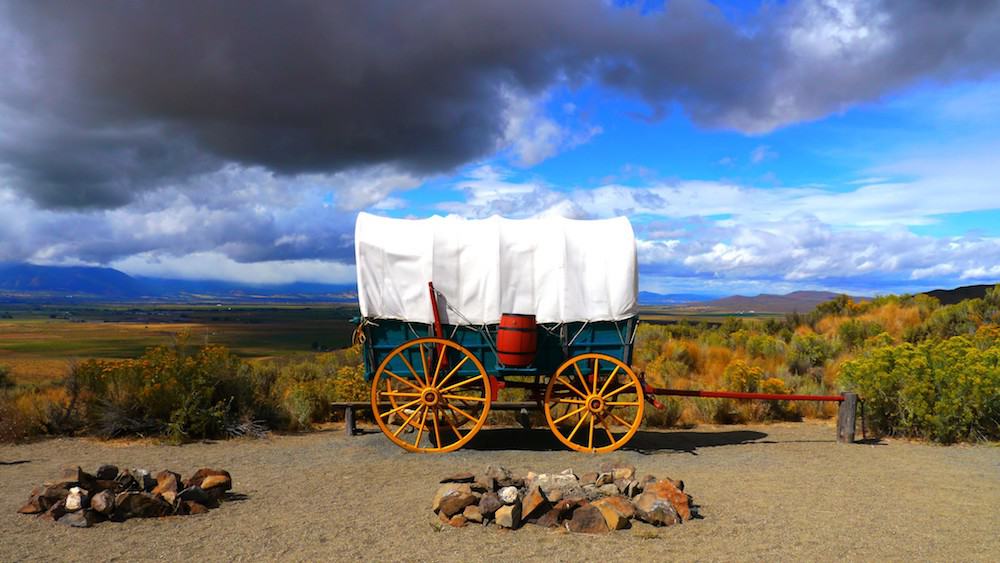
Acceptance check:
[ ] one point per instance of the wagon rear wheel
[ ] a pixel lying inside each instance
(425, 390)
(594, 403)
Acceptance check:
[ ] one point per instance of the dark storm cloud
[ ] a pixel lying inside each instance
(105, 100)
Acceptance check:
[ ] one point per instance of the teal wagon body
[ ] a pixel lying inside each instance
(556, 344)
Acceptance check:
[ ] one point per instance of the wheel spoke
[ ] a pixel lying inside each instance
(460, 383)
(461, 412)
(610, 378)
(575, 390)
(437, 431)
(405, 423)
(454, 429)
(413, 371)
(597, 364)
(437, 368)
(570, 401)
(423, 364)
(400, 394)
(619, 419)
(465, 398)
(583, 379)
(619, 390)
(420, 429)
(621, 404)
(567, 415)
(607, 429)
(590, 440)
(453, 371)
(399, 408)
(577, 427)
(401, 380)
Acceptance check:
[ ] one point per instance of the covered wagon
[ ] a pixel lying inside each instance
(452, 310)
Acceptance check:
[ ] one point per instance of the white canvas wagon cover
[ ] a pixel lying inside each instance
(560, 270)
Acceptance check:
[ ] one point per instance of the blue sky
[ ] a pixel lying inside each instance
(755, 146)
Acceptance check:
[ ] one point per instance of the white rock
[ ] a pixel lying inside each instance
(74, 501)
(508, 495)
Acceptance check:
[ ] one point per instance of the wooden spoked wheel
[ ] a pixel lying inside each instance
(423, 406)
(594, 403)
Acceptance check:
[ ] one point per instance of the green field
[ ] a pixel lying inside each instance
(39, 342)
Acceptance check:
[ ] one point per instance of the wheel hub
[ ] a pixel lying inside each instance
(430, 397)
(595, 404)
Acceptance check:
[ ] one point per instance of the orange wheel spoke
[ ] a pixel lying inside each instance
(437, 424)
(619, 390)
(437, 368)
(453, 371)
(583, 379)
(607, 429)
(577, 427)
(420, 429)
(400, 394)
(399, 408)
(401, 380)
(413, 371)
(619, 404)
(454, 429)
(461, 383)
(567, 415)
(575, 390)
(619, 419)
(570, 401)
(423, 364)
(610, 378)
(461, 412)
(590, 440)
(405, 423)
(597, 364)
(464, 398)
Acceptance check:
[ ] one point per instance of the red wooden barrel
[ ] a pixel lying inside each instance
(517, 339)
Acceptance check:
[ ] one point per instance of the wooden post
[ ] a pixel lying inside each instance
(846, 417)
(349, 426)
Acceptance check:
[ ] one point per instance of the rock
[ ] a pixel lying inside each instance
(485, 483)
(614, 519)
(632, 488)
(198, 495)
(489, 504)
(568, 504)
(621, 504)
(604, 479)
(194, 507)
(56, 511)
(107, 472)
(548, 481)
(79, 519)
(459, 478)
(210, 479)
(555, 495)
(668, 490)
(608, 490)
(509, 516)
(502, 477)
(619, 470)
(448, 489)
(76, 499)
(455, 502)
(587, 519)
(589, 478)
(36, 503)
(550, 518)
(472, 514)
(458, 521)
(167, 485)
(649, 507)
(142, 480)
(140, 505)
(533, 501)
(508, 495)
(103, 503)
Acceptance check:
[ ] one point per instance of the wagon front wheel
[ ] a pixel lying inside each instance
(425, 390)
(594, 403)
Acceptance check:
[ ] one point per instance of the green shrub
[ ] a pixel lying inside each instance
(852, 333)
(807, 351)
(942, 390)
(6, 382)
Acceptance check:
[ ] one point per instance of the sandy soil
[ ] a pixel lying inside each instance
(775, 492)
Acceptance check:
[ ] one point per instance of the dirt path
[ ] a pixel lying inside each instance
(774, 492)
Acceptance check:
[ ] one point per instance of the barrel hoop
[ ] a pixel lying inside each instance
(517, 315)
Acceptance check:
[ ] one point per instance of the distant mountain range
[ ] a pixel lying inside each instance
(801, 301)
(30, 282)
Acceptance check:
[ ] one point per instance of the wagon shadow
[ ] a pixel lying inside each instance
(644, 442)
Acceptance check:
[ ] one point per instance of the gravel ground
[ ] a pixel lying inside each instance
(776, 491)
